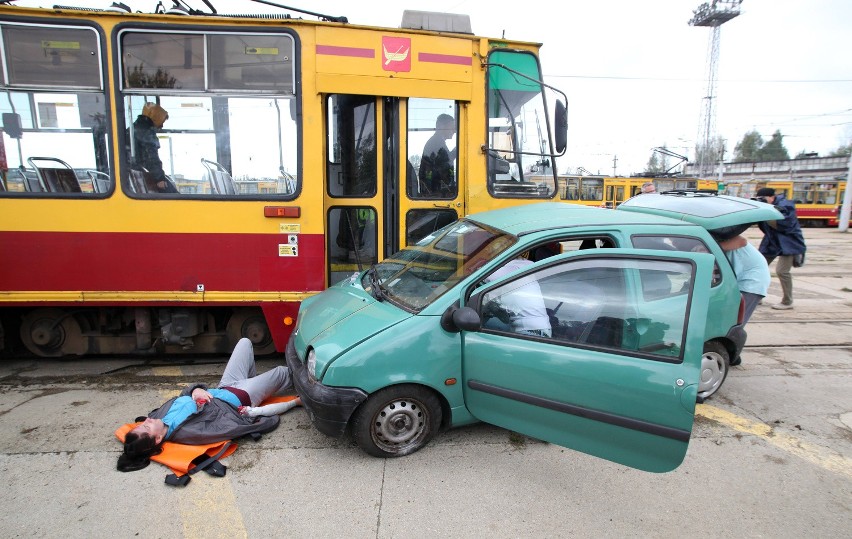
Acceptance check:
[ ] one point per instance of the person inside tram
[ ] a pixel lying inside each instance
(436, 161)
(648, 187)
(202, 416)
(147, 147)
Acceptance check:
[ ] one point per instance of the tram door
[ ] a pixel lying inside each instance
(392, 176)
(614, 194)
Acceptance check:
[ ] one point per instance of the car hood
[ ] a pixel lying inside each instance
(326, 321)
(722, 215)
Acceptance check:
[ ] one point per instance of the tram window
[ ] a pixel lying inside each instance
(351, 163)
(591, 189)
(256, 62)
(802, 193)
(432, 149)
(55, 120)
(519, 165)
(827, 193)
(421, 223)
(352, 239)
(163, 60)
(570, 188)
(211, 144)
(60, 136)
(215, 146)
(51, 57)
(668, 185)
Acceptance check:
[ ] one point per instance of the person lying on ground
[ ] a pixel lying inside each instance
(201, 416)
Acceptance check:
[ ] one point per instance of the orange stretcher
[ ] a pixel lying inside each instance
(184, 460)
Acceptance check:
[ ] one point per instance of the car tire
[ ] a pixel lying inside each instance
(715, 363)
(397, 421)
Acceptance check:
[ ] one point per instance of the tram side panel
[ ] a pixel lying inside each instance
(100, 259)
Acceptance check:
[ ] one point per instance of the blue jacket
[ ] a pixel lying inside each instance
(214, 422)
(786, 237)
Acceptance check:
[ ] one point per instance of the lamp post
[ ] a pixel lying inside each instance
(843, 225)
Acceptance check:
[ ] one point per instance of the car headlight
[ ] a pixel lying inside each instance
(311, 364)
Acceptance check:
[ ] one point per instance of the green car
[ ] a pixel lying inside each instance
(580, 326)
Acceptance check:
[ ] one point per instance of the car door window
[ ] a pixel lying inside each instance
(685, 244)
(601, 303)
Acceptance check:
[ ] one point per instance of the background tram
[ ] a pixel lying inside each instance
(609, 192)
(294, 148)
(817, 203)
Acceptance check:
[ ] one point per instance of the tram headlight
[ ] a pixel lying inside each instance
(311, 364)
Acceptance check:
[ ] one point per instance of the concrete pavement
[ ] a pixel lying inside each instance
(770, 456)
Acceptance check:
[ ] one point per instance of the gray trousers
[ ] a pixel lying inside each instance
(782, 270)
(240, 372)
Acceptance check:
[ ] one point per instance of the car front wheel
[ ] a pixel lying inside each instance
(397, 421)
(715, 362)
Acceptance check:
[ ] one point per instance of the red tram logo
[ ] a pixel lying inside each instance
(396, 54)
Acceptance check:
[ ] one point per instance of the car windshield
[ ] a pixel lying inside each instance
(418, 275)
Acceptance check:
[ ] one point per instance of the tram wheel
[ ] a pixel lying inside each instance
(250, 323)
(52, 333)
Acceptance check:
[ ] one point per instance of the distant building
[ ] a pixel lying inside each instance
(816, 169)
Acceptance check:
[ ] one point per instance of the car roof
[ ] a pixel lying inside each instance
(706, 209)
(539, 216)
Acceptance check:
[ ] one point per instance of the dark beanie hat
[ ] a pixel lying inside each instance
(765, 192)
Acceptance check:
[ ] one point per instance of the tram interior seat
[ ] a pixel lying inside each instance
(31, 181)
(220, 179)
(56, 179)
(137, 180)
(289, 181)
(100, 180)
(12, 176)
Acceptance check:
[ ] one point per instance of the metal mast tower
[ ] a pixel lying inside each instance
(713, 14)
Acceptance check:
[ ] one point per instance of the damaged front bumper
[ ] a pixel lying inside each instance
(328, 407)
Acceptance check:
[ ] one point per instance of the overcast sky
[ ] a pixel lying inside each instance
(635, 72)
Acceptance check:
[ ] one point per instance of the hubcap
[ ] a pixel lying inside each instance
(711, 373)
(399, 424)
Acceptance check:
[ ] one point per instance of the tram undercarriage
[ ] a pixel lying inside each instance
(57, 332)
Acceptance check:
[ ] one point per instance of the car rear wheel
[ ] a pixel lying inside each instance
(715, 362)
(397, 421)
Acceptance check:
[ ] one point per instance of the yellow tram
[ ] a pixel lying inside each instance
(291, 154)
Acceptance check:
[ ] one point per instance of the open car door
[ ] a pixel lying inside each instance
(616, 373)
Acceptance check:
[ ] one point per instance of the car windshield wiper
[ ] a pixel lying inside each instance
(376, 284)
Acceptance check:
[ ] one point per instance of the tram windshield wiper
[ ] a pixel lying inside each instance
(376, 284)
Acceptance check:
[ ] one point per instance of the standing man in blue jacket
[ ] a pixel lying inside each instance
(782, 240)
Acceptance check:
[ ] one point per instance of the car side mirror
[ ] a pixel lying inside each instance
(456, 319)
